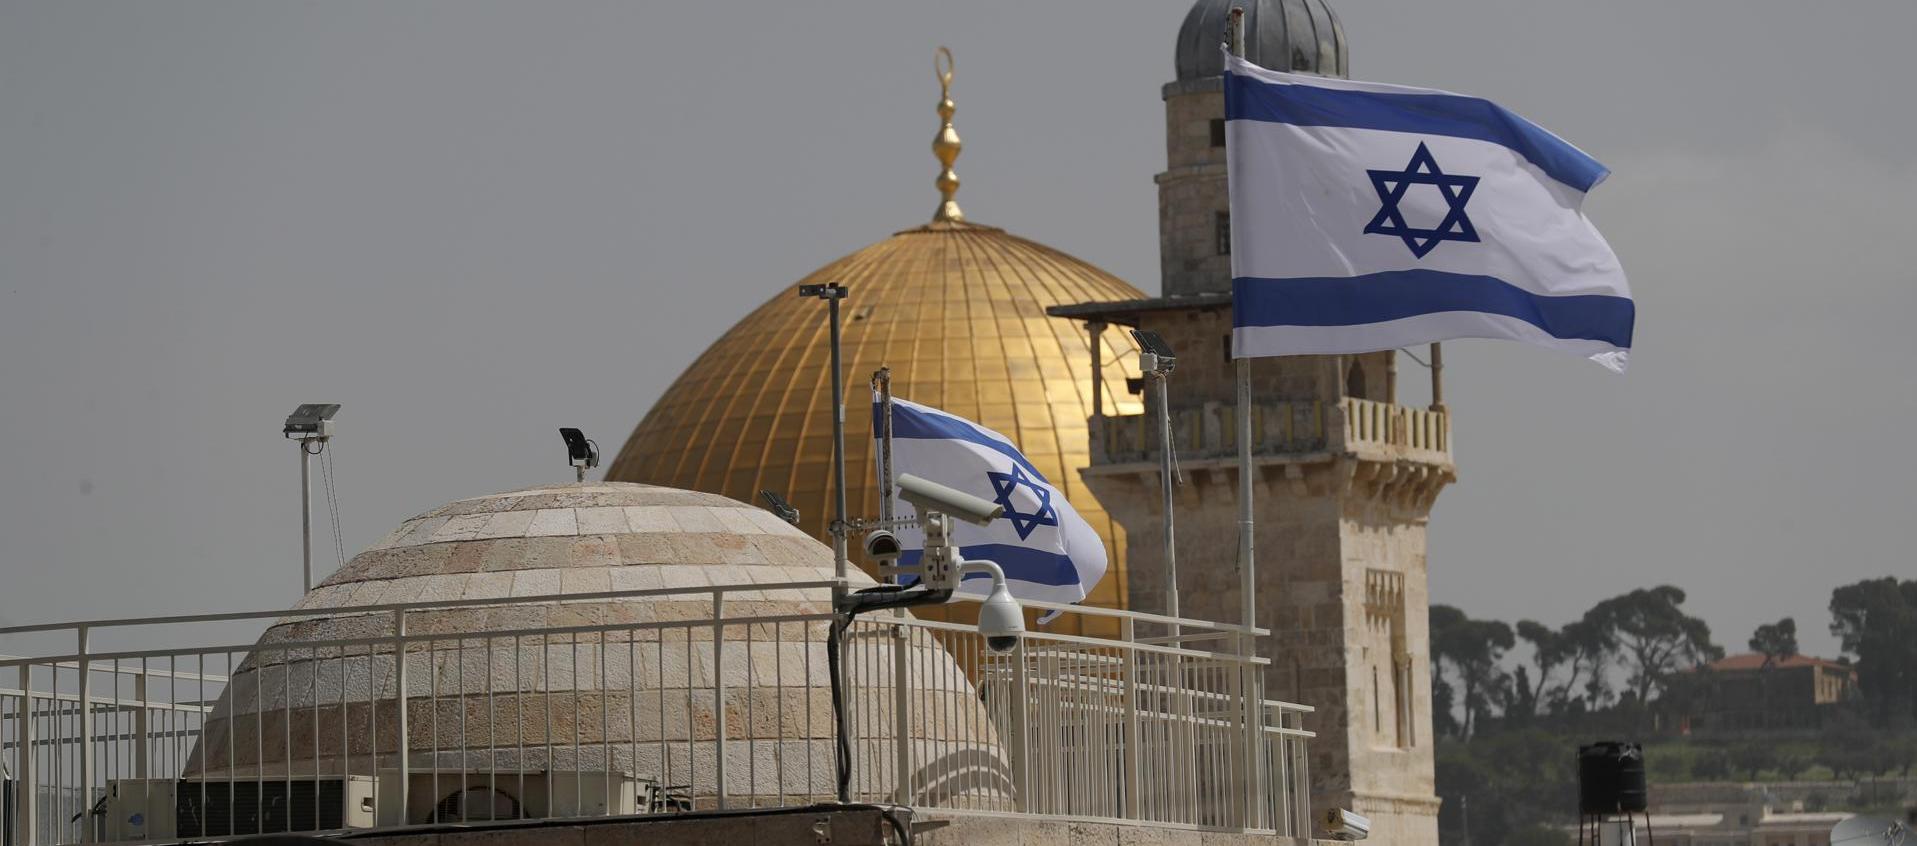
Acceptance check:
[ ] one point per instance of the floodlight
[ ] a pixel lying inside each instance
(777, 505)
(311, 421)
(828, 291)
(1155, 356)
(580, 450)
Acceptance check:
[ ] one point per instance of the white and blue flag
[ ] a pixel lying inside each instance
(1048, 552)
(1369, 217)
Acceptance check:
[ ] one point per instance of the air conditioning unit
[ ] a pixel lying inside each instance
(220, 808)
(140, 809)
(481, 795)
(590, 794)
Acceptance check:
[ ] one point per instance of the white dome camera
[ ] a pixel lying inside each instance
(1000, 620)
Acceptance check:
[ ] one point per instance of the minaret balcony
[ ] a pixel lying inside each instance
(1300, 431)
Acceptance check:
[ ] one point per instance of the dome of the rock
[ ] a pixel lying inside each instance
(504, 682)
(957, 311)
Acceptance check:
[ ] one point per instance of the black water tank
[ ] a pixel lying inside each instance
(1611, 778)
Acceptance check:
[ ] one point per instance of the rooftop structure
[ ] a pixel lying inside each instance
(622, 650)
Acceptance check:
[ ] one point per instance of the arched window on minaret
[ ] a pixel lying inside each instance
(1355, 380)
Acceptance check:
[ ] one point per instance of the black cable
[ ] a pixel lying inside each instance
(905, 832)
(842, 749)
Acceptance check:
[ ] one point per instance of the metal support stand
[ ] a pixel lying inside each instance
(832, 293)
(1165, 468)
(306, 516)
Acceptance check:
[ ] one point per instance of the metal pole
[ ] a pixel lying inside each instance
(306, 519)
(1165, 475)
(887, 473)
(1097, 328)
(719, 693)
(86, 738)
(838, 445)
(1251, 770)
(902, 786)
(401, 730)
(27, 789)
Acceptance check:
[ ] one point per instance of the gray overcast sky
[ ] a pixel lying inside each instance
(473, 222)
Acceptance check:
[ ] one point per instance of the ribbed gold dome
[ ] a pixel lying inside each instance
(957, 311)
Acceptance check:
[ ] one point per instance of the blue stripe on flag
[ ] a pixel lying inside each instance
(1425, 114)
(1019, 562)
(1397, 294)
(908, 422)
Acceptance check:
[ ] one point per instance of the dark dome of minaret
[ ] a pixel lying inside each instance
(1286, 35)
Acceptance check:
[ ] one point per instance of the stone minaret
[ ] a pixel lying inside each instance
(1345, 476)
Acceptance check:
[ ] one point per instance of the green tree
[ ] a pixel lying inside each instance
(1711, 766)
(1577, 649)
(1776, 641)
(1876, 620)
(1753, 757)
(1473, 650)
(1653, 635)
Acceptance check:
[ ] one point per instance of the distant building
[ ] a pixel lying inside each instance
(1733, 829)
(1751, 691)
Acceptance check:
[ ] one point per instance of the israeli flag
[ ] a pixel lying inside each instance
(1369, 217)
(1048, 552)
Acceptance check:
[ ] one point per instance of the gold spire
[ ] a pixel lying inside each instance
(946, 144)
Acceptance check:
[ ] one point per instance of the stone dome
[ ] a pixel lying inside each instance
(957, 310)
(629, 686)
(1286, 35)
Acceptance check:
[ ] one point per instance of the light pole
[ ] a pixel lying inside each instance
(1156, 360)
(310, 426)
(832, 293)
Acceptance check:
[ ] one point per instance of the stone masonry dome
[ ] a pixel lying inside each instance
(491, 689)
(1286, 35)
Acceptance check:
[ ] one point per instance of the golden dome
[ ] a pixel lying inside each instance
(957, 310)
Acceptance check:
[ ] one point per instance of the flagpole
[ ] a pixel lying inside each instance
(882, 382)
(1247, 566)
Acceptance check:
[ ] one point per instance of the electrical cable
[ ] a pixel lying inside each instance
(332, 506)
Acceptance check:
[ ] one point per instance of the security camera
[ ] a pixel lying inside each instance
(882, 546)
(1000, 620)
(927, 495)
(1340, 824)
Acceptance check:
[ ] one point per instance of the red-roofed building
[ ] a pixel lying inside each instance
(1753, 691)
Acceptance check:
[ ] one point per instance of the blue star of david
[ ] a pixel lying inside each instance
(1004, 484)
(1423, 170)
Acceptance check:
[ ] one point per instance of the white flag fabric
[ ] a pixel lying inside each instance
(1369, 217)
(1047, 551)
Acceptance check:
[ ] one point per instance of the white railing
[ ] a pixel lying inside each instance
(721, 706)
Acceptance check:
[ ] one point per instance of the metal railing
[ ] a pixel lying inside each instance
(1302, 428)
(1211, 431)
(431, 712)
